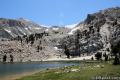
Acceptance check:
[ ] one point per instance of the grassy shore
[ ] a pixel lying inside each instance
(85, 71)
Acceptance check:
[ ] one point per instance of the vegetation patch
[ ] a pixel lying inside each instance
(85, 71)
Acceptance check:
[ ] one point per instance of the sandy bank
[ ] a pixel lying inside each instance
(71, 59)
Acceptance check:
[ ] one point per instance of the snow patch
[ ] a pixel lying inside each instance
(56, 48)
(83, 41)
(47, 30)
(37, 28)
(73, 30)
(90, 45)
(8, 30)
(26, 28)
(55, 29)
(94, 44)
(45, 26)
(80, 27)
(21, 30)
(71, 26)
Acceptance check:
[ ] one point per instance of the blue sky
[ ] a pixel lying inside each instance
(53, 12)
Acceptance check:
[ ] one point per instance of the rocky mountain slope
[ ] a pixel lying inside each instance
(28, 41)
(10, 28)
(98, 32)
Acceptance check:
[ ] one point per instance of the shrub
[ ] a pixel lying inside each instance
(98, 55)
(92, 58)
(67, 52)
(116, 60)
(106, 57)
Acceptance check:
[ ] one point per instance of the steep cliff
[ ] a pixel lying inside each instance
(98, 32)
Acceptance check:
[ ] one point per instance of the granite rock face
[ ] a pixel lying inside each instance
(97, 33)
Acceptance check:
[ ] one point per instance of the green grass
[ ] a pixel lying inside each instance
(85, 72)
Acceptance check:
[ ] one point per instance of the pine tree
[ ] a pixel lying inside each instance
(98, 55)
(38, 48)
(106, 57)
(67, 52)
(77, 43)
(92, 58)
(11, 58)
(116, 60)
(4, 58)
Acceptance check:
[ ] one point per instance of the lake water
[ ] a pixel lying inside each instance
(16, 68)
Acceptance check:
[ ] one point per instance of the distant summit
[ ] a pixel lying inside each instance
(17, 27)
